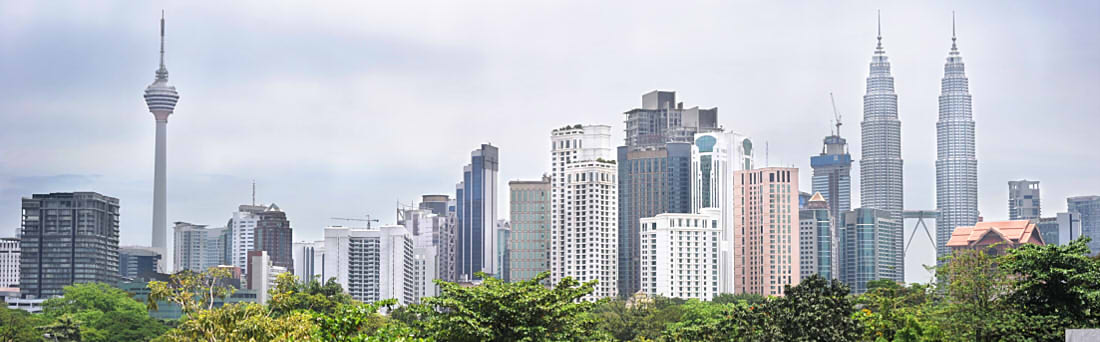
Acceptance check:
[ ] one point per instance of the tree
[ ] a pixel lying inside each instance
(103, 313)
(64, 329)
(192, 291)
(19, 325)
(816, 309)
(747, 298)
(289, 295)
(975, 286)
(499, 311)
(644, 319)
(242, 322)
(891, 309)
(1054, 280)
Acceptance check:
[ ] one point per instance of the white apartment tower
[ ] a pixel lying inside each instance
(956, 162)
(714, 158)
(681, 255)
(372, 264)
(584, 208)
(198, 248)
(9, 262)
(309, 261)
(243, 227)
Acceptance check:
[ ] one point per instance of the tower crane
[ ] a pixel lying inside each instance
(836, 114)
(368, 220)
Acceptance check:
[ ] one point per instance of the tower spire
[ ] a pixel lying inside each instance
(162, 72)
(880, 29)
(953, 46)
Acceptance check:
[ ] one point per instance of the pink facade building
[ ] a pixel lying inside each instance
(766, 255)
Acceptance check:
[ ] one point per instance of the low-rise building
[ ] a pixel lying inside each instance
(996, 236)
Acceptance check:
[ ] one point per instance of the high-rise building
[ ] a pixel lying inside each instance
(262, 273)
(1023, 200)
(135, 262)
(274, 235)
(161, 99)
(433, 247)
(477, 215)
(767, 253)
(655, 171)
(198, 248)
(309, 261)
(1088, 211)
(817, 239)
(1048, 228)
(436, 203)
(869, 248)
(503, 234)
(9, 262)
(529, 242)
(580, 183)
(1069, 228)
(372, 264)
(880, 171)
(956, 162)
(67, 238)
(832, 176)
(681, 255)
(243, 228)
(715, 156)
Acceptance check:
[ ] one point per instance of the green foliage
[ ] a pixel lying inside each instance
(289, 295)
(192, 291)
(746, 298)
(362, 322)
(64, 328)
(19, 326)
(816, 309)
(102, 313)
(242, 322)
(1057, 281)
(499, 311)
(975, 287)
(642, 319)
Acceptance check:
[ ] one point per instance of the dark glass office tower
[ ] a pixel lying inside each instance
(68, 238)
(655, 171)
(477, 214)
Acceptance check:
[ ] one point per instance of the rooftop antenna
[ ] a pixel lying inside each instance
(836, 114)
(253, 192)
(953, 47)
(879, 29)
(766, 149)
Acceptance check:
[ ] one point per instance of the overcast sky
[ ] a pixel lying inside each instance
(346, 109)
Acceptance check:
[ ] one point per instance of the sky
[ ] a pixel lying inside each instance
(347, 109)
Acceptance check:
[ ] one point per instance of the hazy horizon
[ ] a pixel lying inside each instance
(344, 110)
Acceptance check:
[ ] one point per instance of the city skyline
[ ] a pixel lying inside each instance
(236, 114)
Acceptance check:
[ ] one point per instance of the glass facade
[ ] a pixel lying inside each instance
(68, 238)
(869, 242)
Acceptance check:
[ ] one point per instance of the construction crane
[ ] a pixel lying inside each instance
(836, 114)
(368, 220)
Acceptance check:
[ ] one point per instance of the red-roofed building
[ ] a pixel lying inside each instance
(1009, 234)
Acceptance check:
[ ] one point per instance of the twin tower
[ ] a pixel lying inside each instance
(881, 182)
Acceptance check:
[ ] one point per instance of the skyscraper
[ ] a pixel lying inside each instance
(529, 242)
(869, 248)
(680, 258)
(655, 170)
(817, 239)
(198, 248)
(477, 215)
(1023, 201)
(274, 235)
(768, 251)
(1087, 209)
(715, 156)
(956, 164)
(880, 181)
(833, 174)
(67, 238)
(309, 261)
(372, 264)
(161, 99)
(583, 207)
(9, 262)
(243, 227)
